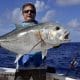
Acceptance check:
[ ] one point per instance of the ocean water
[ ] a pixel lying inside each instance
(59, 57)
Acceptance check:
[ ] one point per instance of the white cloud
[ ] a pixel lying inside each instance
(49, 16)
(67, 2)
(75, 23)
(40, 6)
(17, 15)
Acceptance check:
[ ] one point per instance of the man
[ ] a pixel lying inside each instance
(29, 14)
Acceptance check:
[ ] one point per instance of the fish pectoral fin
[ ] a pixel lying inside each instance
(44, 53)
(17, 58)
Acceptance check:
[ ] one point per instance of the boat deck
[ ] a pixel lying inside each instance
(12, 74)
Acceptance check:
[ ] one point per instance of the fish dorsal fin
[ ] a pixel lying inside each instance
(18, 26)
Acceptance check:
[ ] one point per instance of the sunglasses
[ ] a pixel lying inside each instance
(27, 11)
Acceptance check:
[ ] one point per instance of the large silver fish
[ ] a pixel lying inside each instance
(34, 38)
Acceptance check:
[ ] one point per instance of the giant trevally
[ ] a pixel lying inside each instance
(34, 38)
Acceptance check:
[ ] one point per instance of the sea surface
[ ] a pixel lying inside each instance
(60, 57)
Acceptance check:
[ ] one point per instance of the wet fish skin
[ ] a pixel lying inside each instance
(22, 40)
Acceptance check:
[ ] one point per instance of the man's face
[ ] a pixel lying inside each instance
(28, 14)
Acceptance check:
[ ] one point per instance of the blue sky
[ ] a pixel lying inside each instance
(65, 12)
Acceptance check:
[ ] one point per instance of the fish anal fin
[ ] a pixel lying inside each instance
(44, 53)
(17, 58)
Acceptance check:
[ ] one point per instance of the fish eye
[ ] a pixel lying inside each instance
(57, 27)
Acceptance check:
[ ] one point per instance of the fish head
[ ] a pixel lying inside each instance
(55, 35)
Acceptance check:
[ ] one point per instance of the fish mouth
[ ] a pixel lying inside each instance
(66, 36)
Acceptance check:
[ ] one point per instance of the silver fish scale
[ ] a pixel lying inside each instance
(22, 40)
